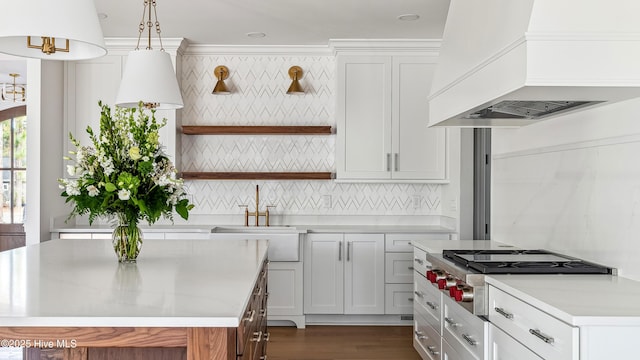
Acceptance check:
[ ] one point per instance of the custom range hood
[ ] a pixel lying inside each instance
(517, 62)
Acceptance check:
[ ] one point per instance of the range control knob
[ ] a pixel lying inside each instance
(435, 275)
(464, 294)
(447, 283)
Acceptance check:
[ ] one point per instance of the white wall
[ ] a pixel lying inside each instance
(44, 147)
(258, 82)
(572, 185)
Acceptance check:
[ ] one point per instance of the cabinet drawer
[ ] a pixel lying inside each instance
(463, 329)
(420, 263)
(398, 299)
(459, 353)
(398, 268)
(547, 336)
(504, 347)
(402, 242)
(426, 337)
(427, 301)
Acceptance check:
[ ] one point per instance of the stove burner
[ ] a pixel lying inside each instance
(522, 262)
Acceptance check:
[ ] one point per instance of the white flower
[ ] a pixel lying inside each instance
(93, 191)
(71, 170)
(124, 194)
(73, 188)
(134, 153)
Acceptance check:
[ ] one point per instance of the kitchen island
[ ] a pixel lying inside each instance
(183, 299)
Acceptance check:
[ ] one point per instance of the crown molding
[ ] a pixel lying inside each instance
(290, 50)
(385, 45)
(121, 46)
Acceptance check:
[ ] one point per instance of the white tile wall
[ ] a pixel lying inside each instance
(258, 84)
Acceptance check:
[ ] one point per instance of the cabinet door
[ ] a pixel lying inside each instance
(418, 151)
(363, 115)
(324, 274)
(285, 288)
(504, 347)
(364, 274)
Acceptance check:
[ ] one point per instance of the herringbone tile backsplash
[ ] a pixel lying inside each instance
(258, 96)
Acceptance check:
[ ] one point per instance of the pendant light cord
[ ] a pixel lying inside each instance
(149, 24)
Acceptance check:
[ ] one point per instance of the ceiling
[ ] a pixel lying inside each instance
(285, 22)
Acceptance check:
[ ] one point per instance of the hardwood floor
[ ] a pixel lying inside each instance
(341, 343)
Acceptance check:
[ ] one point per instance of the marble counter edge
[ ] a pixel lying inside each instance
(560, 314)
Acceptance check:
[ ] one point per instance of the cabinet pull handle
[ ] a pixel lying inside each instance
(388, 161)
(419, 261)
(468, 339)
(395, 162)
(541, 336)
(263, 357)
(339, 250)
(420, 335)
(503, 313)
(451, 322)
(250, 318)
(257, 336)
(266, 336)
(418, 294)
(432, 305)
(348, 250)
(410, 299)
(410, 267)
(432, 350)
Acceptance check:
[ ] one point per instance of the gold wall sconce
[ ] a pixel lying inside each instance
(221, 72)
(13, 92)
(295, 73)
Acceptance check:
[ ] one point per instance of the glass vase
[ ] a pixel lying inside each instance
(127, 239)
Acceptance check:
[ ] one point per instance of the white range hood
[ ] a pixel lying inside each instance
(516, 62)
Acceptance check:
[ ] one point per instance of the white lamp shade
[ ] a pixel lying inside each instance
(149, 77)
(75, 20)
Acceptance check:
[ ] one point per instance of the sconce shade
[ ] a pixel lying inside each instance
(295, 73)
(149, 77)
(61, 20)
(221, 72)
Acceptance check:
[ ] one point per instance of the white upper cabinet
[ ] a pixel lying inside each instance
(382, 116)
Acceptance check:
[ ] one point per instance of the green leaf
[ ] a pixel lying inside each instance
(110, 187)
(181, 209)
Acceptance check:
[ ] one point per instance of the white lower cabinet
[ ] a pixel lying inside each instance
(545, 335)
(464, 330)
(426, 340)
(344, 274)
(504, 347)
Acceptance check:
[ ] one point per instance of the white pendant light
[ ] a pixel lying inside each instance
(149, 75)
(51, 30)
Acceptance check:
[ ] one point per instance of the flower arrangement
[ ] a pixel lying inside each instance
(125, 174)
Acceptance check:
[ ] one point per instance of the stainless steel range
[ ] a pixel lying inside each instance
(460, 273)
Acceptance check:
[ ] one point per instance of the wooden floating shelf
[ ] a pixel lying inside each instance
(257, 175)
(269, 130)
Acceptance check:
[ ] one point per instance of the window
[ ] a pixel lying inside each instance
(13, 170)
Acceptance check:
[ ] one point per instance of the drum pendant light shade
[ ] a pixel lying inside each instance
(149, 77)
(58, 21)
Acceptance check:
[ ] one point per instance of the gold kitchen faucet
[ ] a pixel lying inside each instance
(257, 213)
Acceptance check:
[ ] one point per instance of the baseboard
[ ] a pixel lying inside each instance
(385, 320)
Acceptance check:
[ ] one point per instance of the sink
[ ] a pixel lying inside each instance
(284, 241)
(286, 229)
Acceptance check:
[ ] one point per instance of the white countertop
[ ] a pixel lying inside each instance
(175, 283)
(299, 228)
(436, 246)
(579, 300)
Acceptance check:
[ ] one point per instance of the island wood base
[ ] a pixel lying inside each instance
(84, 343)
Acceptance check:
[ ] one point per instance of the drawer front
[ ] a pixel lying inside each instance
(398, 268)
(420, 263)
(253, 326)
(398, 299)
(401, 242)
(547, 336)
(458, 353)
(427, 338)
(504, 347)
(462, 328)
(427, 301)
